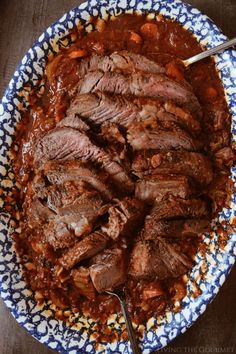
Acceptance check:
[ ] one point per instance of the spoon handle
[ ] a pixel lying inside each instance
(210, 52)
(129, 326)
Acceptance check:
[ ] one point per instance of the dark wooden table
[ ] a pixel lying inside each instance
(21, 22)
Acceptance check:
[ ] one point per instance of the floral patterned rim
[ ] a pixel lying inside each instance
(215, 264)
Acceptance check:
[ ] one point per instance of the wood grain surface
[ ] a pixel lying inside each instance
(21, 22)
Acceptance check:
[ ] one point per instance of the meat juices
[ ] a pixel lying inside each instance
(122, 169)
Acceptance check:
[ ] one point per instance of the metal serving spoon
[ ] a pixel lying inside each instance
(208, 53)
(133, 340)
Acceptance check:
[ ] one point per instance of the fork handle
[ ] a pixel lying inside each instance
(207, 53)
(129, 326)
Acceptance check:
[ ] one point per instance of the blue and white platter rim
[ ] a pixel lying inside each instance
(215, 264)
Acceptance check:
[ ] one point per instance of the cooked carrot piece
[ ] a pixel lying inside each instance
(135, 37)
(78, 53)
(173, 70)
(150, 31)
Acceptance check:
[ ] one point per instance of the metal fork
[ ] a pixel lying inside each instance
(209, 52)
(133, 340)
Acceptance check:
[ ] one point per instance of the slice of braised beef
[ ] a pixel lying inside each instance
(156, 187)
(73, 122)
(225, 157)
(58, 173)
(68, 144)
(58, 234)
(183, 116)
(58, 192)
(74, 220)
(219, 140)
(191, 164)
(125, 218)
(100, 107)
(60, 195)
(83, 283)
(174, 228)
(131, 62)
(140, 84)
(145, 261)
(82, 215)
(109, 269)
(157, 259)
(37, 213)
(121, 61)
(149, 134)
(176, 207)
(84, 249)
(112, 134)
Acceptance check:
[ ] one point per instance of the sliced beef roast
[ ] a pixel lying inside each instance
(82, 215)
(119, 61)
(125, 110)
(68, 144)
(225, 157)
(156, 187)
(99, 107)
(58, 173)
(174, 228)
(183, 116)
(166, 112)
(38, 214)
(86, 248)
(74, 220)
(175, 207)
(151, 135)
(83, 283)
(140, 84)
(111, 133)
(124, 218)
(58, 234)
(109, 269)
(191, 164)
(73, 122)
(60, 195)
(122, 170)
(157, 259)
(131, 62)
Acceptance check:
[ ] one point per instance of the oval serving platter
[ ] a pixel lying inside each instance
(211, 267)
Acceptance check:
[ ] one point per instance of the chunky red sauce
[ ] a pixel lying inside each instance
(163, 42)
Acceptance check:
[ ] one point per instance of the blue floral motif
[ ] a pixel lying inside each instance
(40, 321)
